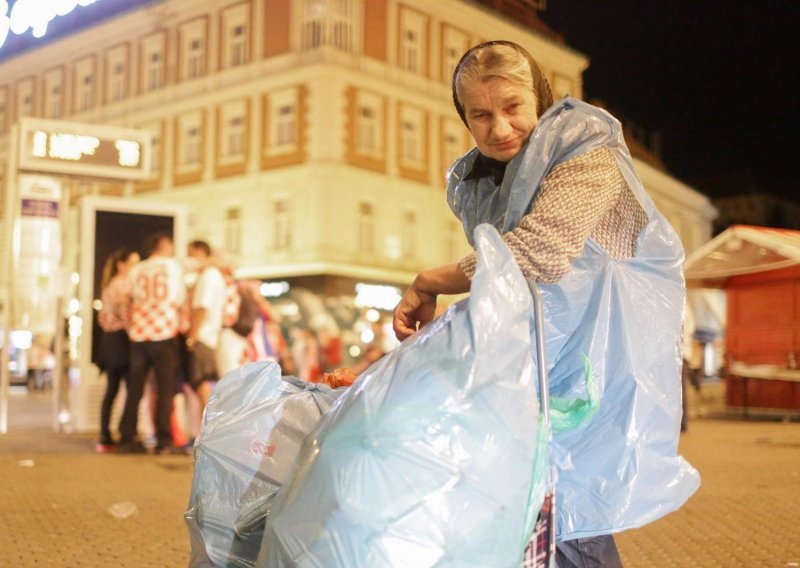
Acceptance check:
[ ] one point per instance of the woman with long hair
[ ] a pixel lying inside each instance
(114, 318)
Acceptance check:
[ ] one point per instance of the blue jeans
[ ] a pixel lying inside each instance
(594, 552)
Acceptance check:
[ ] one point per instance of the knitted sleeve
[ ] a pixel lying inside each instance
(573, 200)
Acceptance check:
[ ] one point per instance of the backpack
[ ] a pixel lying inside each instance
(248, 313)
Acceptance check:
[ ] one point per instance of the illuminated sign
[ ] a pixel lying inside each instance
(34, 15)
(84, 149)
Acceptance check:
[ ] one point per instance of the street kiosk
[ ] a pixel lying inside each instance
(759, 267)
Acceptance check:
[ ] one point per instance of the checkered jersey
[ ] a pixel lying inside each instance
(157, 294)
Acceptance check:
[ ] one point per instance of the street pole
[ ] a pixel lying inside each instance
(59, 400)
(11, 214)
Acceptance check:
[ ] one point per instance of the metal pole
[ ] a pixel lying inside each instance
(541, 356)
(58, 343)
(11, 209)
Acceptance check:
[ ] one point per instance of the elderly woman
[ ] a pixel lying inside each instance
(558, 183)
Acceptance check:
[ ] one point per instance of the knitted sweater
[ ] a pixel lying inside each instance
(582, 197)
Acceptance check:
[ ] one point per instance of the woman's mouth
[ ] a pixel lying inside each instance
(505, 145)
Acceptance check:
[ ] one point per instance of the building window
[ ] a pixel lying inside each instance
(191, 147)
(83, 86)
(26, 105)
(192, 48)
(412, 137)
(233, 230)
(452, 147)
(409, 235)
(238, 46)
(286, 125)
(411, 51)
(194, 67)
(236, 36)
(24, 97)
(118, 82)
(366, 228)
(413, 35)
(236, 134)
(366, 129)
(454, 142)
(53, 93)
(153, 62)
(410, 142)
(454, 44)
(282, 238)
(328, 23)
(154, 72)
(366, 137)
(54, 104)
(87, 93)
(283, 129)
(233, 133)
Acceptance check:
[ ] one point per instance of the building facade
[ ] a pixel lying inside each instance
(308, 137)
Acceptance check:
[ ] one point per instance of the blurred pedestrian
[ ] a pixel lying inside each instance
(208, 305)
(330, 345)
(157, 294)
(239, 315)
(267, 342)
(114, 347)
(305, 353)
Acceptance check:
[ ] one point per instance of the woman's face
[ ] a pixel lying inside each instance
(501, 116)
(126, 265)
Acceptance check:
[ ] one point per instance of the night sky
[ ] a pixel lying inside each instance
(719, 79)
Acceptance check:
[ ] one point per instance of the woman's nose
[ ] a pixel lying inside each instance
(500, 127)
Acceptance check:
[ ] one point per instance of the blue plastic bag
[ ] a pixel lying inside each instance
(429, 458)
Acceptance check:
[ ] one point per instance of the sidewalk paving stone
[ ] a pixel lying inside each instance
(55, 512)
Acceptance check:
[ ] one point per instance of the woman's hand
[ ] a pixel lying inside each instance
(418, 304)
(415, 307)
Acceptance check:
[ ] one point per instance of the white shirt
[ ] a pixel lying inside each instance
(209, 294)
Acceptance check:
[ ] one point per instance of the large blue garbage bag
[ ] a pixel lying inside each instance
(429, 458)
(252, 430)
(621, 468)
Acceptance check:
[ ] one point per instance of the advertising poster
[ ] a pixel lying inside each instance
(37, 255)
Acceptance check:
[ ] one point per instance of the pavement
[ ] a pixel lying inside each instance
(61, 504)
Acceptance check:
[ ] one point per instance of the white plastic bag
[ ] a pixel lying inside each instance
(252, 430)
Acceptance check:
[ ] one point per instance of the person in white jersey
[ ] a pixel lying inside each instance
(157, 292)
(208, 305)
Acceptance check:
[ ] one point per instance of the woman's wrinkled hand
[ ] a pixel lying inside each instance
(415, 307)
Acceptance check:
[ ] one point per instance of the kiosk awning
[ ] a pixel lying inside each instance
(741, 249)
